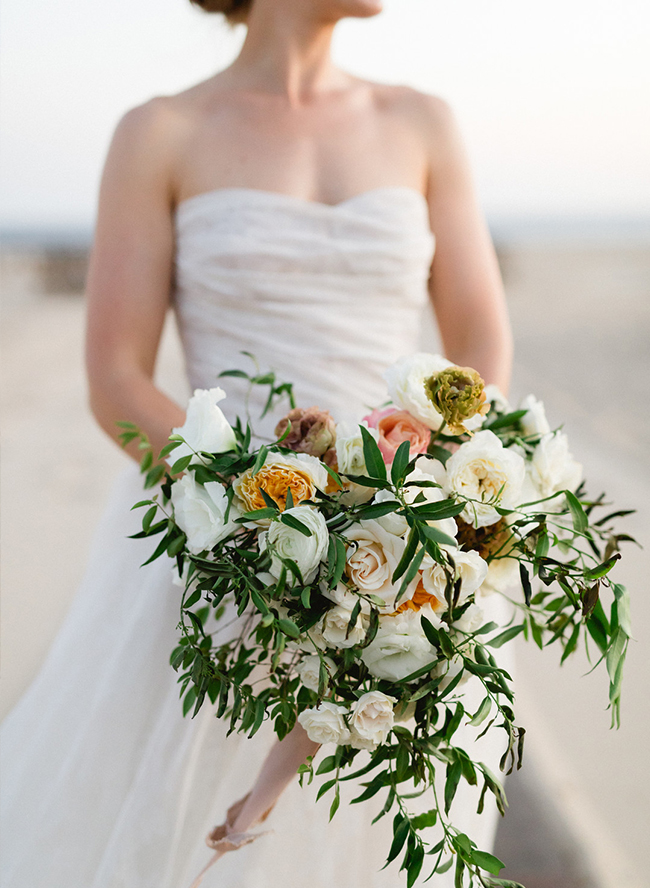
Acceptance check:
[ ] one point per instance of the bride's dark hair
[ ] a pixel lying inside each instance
(234, 10)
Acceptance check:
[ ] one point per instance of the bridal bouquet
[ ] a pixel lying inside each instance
(351, 563)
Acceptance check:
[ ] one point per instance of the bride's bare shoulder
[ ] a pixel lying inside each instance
(428, 115)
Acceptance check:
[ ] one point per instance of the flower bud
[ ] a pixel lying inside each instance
(311, 431)
(458, 394)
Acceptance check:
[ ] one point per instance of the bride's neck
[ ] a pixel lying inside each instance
(287, 53)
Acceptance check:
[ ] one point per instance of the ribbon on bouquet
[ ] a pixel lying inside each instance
(222, 838)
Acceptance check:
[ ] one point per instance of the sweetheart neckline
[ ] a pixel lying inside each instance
(305, 201)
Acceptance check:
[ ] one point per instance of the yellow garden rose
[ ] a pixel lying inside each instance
(299, 473)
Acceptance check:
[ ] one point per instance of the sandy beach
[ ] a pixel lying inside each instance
(581, 317)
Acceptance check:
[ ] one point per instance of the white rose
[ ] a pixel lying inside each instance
(309, 670)
(325, 724)
(286, 542)
(400, 646)
(483, 469)
(372, 557)
(469, 567)
(199, 510)
(371, 720)
(534, 421)
(471, 620)
(205, 428)
(349, 448)
(552, 467)
(335, 627)
(406, 379)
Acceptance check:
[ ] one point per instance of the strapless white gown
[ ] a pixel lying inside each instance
(105, 784)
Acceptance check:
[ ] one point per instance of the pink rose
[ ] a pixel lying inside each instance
(395, 426)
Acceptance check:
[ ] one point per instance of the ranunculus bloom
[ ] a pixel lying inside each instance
(301, 474)
(406, 381)
(199, 510)
(395, 427)
(286, 542)
(312, 431)
(205, 427)
(371, 720)
(325, 724)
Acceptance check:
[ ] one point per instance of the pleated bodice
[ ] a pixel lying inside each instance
(326, 295)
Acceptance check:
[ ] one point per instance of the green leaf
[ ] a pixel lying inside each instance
(259, 461)
(509, 419)
(400, 833)
(181, 464)
(407, 555)
(422, 821)
(439, 453)
(482, 712)
(148, 518)
(623, 608)
(580, 520)
(295, 524)
(378, 510)
(597, 572)
(400, 463)
(505, 636)
(289, 628)
(430, 631)
(572, 643)
(168, 448)
(525, 582)
(237, 373)
(432, 533)
(415, 862)
(257, 515)
(372, 455)
(488, 862)
(454, 773)
(437, 511)
(325, 787)
(335, 802)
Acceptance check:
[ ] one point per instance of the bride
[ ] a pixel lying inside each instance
(286, 208)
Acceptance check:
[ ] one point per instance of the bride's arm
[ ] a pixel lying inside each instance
(465, 286)
(129, 279)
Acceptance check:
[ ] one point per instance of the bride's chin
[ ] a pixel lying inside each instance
(358, 8)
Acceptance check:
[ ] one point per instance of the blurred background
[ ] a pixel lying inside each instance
(553, 100)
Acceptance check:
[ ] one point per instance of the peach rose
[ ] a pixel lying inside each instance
(396, 426)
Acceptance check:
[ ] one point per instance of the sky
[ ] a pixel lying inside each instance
(553, 98)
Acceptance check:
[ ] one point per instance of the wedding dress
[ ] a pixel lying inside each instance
(105, 784)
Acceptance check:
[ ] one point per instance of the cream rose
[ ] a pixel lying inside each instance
(469, 567)
(205, 427)
(400, 646)
(335, 627)
(326, 724)
(483, 470)
(309, 670)
(372, 556)
(406, 385)
(298, 472)
(371, 720)
(286, 542)
(449, 669)
(200, 510)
